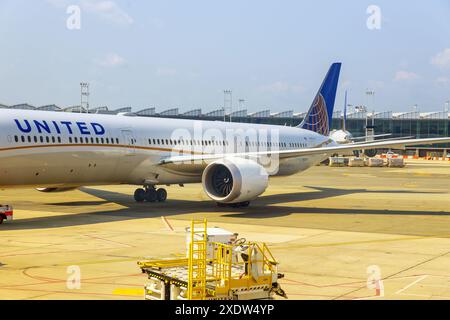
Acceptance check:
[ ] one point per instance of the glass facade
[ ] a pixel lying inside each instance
(410, 125)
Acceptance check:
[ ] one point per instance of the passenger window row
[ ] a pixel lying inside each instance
(53, 139)
(37, 139)
(187, 142)
(170, 142)
(92, 140)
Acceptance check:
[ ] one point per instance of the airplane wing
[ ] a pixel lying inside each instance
(286, 154)
(375, 136)
(388, 139)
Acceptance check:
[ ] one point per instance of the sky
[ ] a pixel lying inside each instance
(273, 54)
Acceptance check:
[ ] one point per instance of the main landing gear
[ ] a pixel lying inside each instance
(150, 194)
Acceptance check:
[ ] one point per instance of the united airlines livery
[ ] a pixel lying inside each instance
(57, 151)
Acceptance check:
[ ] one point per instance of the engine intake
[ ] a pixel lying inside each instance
(234, 180)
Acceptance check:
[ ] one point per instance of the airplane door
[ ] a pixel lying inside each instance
(129, 141)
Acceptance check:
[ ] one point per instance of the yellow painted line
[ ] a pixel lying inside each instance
(422, 174)
(96, 262)
(128, 292)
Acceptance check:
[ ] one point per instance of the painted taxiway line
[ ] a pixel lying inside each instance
(412, 284)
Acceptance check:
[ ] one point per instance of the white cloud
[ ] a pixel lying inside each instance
(297, 88)
(157, 23)
(58, 3)
(404, 64)
(442, 59)
(346, 84)
(276, 87)
(111, 60)
(405, 75)
(166, 72)
(281, 87)
(107, 9)
(376, 84)
(442, 80)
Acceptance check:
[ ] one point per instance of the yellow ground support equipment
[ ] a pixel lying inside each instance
(227, 270)
(197, 261)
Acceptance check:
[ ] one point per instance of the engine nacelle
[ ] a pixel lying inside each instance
(54, 190)
(234, 180)
(371, 153)
(341, 136)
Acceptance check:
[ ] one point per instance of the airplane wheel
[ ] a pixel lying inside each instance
(1, 219)
(161, 195)
(139, 195)
(150, 195)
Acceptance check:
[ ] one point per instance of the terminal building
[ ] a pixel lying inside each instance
(399, 124)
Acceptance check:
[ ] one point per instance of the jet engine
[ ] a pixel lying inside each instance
(54, 190)
(234, 180)
(371, 153)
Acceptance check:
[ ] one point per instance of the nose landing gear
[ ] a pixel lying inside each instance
(150, 194)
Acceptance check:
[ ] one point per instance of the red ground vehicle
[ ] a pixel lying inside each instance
(6, 213)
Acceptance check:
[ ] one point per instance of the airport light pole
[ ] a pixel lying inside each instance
(370, 129)
(84, 96)
(228, 100)
(241, 104)
(370, 94)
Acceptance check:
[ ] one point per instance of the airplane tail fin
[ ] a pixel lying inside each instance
(320, 114)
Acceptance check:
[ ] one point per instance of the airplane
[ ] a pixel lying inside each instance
(343, 136)
(57, 151)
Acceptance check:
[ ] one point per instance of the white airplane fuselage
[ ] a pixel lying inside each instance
(43, 149)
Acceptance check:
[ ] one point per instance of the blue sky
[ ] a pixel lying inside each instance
(273, 54)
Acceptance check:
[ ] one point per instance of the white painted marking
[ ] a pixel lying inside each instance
(412, 284)
(368, 298)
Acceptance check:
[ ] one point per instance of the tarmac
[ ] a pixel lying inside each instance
(335, 232)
